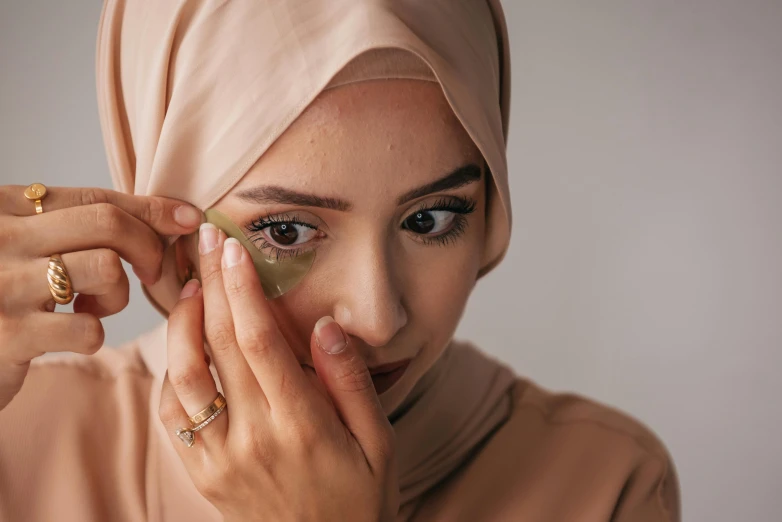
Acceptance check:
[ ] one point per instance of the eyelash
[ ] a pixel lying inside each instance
(257, 227)
(461, 206)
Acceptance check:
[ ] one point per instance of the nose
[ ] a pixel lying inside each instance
(369, 303)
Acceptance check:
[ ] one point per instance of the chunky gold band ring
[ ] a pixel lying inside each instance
(201, 419)
(59, 282)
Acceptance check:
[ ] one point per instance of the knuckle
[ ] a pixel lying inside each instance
(234, 288)
(108, 266)
(210, 274)
(89, 196)
(257, 338)
(220, 335)
(210, 488)
(153, 211)
(186, 378)
(91, 332)
(353, 376)
(109, 219)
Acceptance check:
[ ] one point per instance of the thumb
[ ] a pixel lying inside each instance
(347, 379)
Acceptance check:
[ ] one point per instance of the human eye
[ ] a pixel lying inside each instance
(441, 222)
(282, 236)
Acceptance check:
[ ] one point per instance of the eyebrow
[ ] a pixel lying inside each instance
(464, 175)
(460, 177)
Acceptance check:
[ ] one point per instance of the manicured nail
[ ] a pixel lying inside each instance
(187, 216)
(232, 252)
(207, 238)
(190, 289)
(329, 335)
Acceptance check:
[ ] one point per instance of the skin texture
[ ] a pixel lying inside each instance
(304, 436)
(395, 296)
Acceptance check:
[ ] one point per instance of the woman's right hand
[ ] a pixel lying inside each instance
(91, 229)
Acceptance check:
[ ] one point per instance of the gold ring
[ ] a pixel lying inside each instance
(36, 192)
(59, 282)
(57, 276)
(201, 419)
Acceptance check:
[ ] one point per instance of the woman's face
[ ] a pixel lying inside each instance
(382, 181)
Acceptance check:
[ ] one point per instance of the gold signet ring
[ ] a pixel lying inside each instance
(36, 192)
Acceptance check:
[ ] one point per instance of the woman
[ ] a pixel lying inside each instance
(363, 144)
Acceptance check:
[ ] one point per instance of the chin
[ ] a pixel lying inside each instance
(393, 398)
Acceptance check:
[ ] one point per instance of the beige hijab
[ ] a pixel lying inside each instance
(192, 93)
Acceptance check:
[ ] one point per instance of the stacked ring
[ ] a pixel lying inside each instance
(57, 276)
(201, 419)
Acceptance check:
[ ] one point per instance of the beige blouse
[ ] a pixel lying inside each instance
(82, 442)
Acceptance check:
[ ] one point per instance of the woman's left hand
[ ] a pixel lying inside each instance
(291, 445)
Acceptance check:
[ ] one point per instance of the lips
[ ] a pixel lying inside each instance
(385, 376)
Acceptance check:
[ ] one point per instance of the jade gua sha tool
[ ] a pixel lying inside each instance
(277, 275)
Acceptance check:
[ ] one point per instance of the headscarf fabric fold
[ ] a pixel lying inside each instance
(191, 93)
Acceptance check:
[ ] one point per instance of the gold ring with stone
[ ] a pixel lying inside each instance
(59, 281)
(36, 192)
(201, 419)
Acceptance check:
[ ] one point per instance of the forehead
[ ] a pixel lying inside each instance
(368, 133)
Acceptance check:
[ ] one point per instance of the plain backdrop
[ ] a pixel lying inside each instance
(646, 172)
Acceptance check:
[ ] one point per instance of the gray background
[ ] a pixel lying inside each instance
(646, 262)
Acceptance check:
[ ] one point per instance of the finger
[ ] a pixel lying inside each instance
(97, 275)
(239, 383)
(349, 384)
(51, 332)
(89, 228)
(166, 216)
(173, 416)
(263, 345)
(188, 371)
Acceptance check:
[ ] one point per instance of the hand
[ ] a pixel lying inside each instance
(91, 229)
(291, 445)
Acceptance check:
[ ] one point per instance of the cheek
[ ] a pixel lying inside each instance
(439, 291)
(444, 282)
(296, 318)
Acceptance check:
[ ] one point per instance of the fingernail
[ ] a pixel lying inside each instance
(329, 335)
(187, 216)
(232, 252)
(190, 289)
(207, 238)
